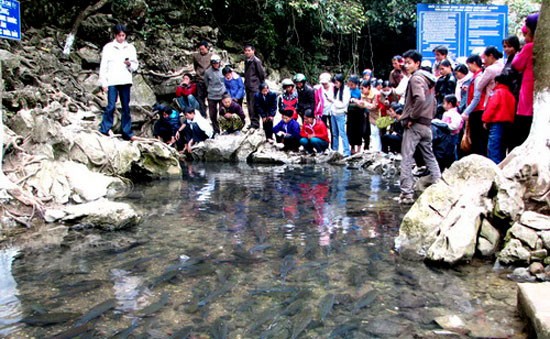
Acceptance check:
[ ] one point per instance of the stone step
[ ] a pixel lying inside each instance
(534, 305)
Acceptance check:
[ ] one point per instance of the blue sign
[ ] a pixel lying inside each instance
(10, 23)
(464, 29)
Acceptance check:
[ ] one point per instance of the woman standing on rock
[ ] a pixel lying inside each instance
(118, 62)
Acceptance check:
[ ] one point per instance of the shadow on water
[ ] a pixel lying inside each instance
(253, 252)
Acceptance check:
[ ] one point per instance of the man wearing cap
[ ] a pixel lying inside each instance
(215, 85)
(254, 75)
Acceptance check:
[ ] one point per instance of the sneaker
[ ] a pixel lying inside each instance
(280, 145)
(420, 171)
(301, 149)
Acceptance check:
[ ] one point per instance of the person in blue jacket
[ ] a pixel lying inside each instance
(265, 105)
(287, 132)
(233, 84)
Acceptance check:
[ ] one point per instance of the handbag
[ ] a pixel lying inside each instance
(466, 142)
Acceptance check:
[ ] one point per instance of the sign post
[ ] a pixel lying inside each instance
(10, 28)
(462, 28)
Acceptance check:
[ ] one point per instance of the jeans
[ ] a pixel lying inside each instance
(420, 136)
(338, 129)
(496, 147)
(319, 145)
(213, 106)
(126, 119)
(189, 101)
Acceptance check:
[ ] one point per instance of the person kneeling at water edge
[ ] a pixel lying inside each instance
(231, 118)
(193, 130)
(287, 132)
(314, 133)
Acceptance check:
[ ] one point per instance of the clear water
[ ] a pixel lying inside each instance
(234, 251)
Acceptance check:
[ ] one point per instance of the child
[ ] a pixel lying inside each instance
(288, 100)
(287, 132)
(231, 117)
(314, 133)
(447, 141)
(265, 105)
(391, 140)
(498, 117)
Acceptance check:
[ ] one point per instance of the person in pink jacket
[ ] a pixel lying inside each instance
(523, 63)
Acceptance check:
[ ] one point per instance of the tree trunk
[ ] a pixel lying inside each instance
(530, 162)
(83, 15)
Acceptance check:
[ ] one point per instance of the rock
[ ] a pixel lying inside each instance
(522, 274)
(539, 255)
(230, 148)
(90, 57)
(533, 305)
(103, 214)
(142, 96)
(526, 235)
(488, 240)
(535, 221)
(446, 206)
(545, 237)
(536, 268)
(547, 261)
(514, 253)
(95, 186)
(452, 323)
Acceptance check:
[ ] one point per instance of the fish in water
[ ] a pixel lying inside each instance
(287, 265)
(182, 333)
(365, 301)
(74, 332)
(344, 330)
(326, 305)
(77, 288)
(48, 319)
(155, 307)
(219, 329)
(300, 323)
(96, 311)
(125, 333)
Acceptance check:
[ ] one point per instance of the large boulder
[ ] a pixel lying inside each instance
(103, 214)
(444, 222)
(229, 148)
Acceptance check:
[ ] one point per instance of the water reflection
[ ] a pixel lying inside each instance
(10, 305)
(259, 251)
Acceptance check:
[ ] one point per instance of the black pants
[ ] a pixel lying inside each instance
(254, 118)
(478, 134)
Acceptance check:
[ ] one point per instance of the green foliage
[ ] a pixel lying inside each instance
(518, 10)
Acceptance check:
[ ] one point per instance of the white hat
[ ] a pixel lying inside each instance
(426, 63)
(324, 78)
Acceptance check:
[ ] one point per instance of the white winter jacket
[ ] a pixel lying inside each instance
(112, 70)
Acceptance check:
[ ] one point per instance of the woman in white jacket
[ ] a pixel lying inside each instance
(339, 106)
(118, 62)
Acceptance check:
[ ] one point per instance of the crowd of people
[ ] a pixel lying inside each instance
(431, 114)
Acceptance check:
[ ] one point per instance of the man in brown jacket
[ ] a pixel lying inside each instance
(201, 61)
(417, 116)
(254, 75)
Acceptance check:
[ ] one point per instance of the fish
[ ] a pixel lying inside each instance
(287, 265)
(280, 329)
(300, 323)
(125, 333)
(294, 308)
(156, 306)
(343, 330)
(49, 318)
(131, 265)
(217, 293)
(77, 288)
(259, 248)
(365, 301)
(219, 329)
(96, 311)
(73, 332)
(268, 315)
(182, 333)
(164, 277)
(274, 290)
(287, 249)
(326, 305)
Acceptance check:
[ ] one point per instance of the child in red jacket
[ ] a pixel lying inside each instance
(314, 133)
(498, 117)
